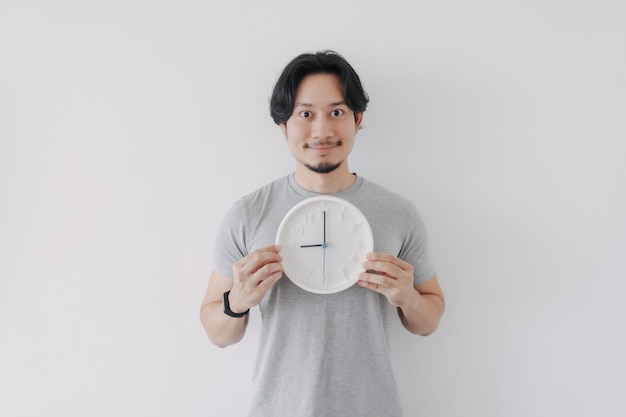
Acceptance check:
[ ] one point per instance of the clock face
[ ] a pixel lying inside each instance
(324, 240)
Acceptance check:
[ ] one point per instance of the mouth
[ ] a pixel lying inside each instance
(322, 146)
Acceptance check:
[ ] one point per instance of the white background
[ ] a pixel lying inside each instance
(128, 127)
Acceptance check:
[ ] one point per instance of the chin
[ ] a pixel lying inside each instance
(323, 168)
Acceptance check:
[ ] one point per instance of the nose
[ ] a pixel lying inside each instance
(322, 128)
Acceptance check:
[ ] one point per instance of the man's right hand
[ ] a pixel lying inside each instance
(253, 276)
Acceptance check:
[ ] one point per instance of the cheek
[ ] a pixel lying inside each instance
(295, 132)
(348, 133)
(293, 142)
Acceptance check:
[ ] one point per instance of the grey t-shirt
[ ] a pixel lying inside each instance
(324, 355)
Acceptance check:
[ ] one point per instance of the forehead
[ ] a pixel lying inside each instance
(319, 90)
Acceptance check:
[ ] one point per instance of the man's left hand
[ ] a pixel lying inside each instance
(388, 275)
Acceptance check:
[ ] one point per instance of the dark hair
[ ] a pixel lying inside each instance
(323, 62)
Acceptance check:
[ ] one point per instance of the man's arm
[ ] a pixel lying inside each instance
(420, 307)
(253, 276)
(423, 308)
(222, 329)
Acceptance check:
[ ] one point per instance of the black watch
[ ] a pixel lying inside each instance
(227, 309)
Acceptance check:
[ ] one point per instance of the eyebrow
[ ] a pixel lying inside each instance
(333, 104)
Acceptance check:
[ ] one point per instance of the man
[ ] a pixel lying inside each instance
(321, 355)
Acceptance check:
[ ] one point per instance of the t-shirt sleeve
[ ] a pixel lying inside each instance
(230, 241)
(415, 248)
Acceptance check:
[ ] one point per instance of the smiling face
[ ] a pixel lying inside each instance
(322, 128)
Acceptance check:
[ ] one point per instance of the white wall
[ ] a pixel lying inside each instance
(128, 127)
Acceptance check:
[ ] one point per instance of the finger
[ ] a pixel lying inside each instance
(375, 279)
(272, 249)
(260, 257)
(382, 268)
(385, 257)
(270, 280)
(268, 270)
(364, 281)
(386, 284)
(258, 271)
(258, 265)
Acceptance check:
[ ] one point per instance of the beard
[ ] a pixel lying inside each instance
(324, 167)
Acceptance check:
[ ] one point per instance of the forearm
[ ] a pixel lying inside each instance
(222, 329)
(252, 277)
(421, 313)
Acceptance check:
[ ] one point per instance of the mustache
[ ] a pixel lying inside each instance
(322, 143)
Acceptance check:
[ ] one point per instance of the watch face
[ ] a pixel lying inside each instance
(324, 241)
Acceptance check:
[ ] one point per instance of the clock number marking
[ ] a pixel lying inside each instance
(298, 230)
(353, 225)
(342, 214)
(343, 272)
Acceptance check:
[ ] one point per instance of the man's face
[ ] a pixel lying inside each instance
(321, 129)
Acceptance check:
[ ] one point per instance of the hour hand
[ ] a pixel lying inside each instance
(312, 246)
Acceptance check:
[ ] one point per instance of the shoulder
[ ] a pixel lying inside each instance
(260, 196)
(383, 199)
(394, 213)
(250, 222)
(258, 214)
(373, 187)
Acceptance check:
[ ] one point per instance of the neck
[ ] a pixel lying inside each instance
(329, 183)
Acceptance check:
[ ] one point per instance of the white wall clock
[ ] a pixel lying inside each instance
(324, 240)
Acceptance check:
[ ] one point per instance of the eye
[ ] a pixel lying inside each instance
(306, 114)
(336, 113)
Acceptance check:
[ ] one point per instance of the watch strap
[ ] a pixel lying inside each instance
(227, 309)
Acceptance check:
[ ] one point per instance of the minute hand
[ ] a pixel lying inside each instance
(324, 246)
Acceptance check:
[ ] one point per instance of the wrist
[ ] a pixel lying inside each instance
(227, 307)
(410, 299)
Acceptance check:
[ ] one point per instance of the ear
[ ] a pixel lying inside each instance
(358, 119)
(283, 128)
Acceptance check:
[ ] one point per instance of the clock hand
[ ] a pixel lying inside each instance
(324, 246)
(324, 265)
